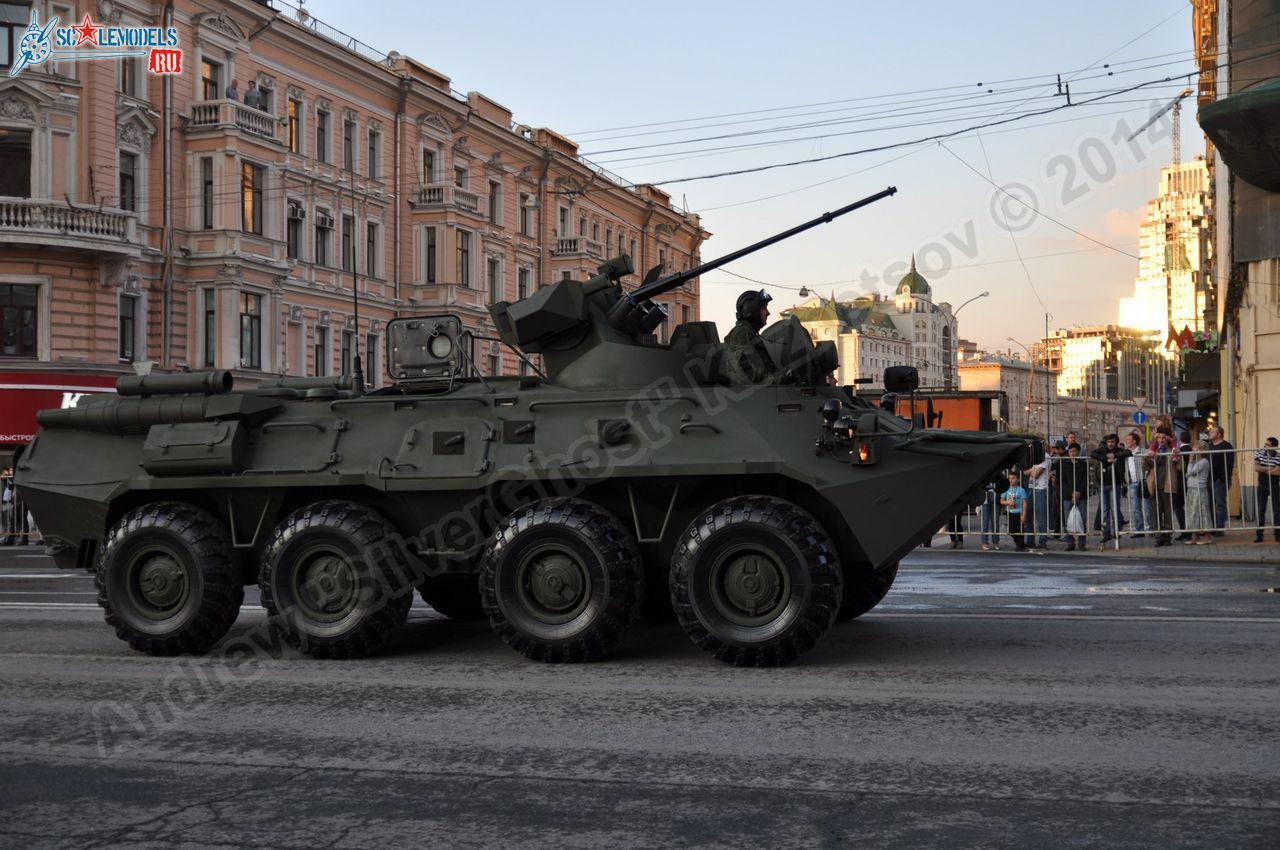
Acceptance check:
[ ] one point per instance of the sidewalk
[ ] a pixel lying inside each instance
(1236, 547)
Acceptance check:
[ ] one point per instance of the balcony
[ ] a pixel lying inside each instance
(27, 221)
(446, 195)
(222, 114)
(578, 246)
(450, 296)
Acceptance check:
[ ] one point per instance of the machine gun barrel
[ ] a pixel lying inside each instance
(670, 282)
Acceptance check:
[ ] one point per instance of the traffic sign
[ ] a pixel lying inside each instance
(1139, 418)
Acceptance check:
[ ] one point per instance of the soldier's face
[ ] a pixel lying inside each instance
(764, 314)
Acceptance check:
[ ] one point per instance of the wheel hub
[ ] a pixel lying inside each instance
(162, 582)
(554, 586)
(556, 582)
(749, 586)
(329, 584)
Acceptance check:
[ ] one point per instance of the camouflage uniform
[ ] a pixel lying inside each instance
(746, 361)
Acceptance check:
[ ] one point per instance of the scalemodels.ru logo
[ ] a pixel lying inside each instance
(39, 44)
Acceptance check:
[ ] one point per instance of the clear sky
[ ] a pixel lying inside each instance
(666, 91)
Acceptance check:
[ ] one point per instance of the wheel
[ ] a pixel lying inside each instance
(561, 580)
(167, 580)
(863, 590)
(333, 581)
(755, 581)
(455, 596)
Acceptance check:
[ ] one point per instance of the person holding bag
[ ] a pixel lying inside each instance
(1073, 483)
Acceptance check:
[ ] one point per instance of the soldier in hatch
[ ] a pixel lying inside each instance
(746, 361)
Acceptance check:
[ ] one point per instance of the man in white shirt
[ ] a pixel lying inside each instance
(1135, 478)
(1038, 485)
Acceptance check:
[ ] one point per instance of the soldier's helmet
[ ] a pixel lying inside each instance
(749, 304)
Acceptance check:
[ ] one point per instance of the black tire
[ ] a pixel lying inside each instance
(561, 580)
(755, 581)
(334, 582)
(863, 590)
(456, 596)
(167, 580)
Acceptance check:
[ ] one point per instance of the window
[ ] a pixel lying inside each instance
(128, 327)
(265, 96)
(128, 76)
(293, 114)
(250, 331)
(251, 180)
(293, 230)
(15, 163)
(495, 203)
(464, 258)
(428, 165)
(210, 80)
(324, 237)
(564, 222)
(321, 352)
(14, 18)
(595, 231)
(349, 144)
(684, 313)
(18, 320)
(322, 136)
(374, 165)
(210, 327)
(128, 184)
(493, 275)
(348, 243)
(348, 340)
(206, 192)
(430, 239)
(633, 247)
(526, 214)
(608, 237)
(371, 360)
(582, 225)
(371, 249)
(495, 364)
(522, 283)
(461, 176)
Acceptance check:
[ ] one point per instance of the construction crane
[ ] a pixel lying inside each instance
(1176, 106)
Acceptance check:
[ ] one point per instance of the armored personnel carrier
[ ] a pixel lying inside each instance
(623, 474)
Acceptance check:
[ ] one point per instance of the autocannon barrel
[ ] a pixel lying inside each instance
(206, 383)
(670, 282)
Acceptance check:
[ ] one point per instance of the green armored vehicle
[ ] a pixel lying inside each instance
(625, 474)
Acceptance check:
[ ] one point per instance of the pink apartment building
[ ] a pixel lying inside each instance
(148, 220)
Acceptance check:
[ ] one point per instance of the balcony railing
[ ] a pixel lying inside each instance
(233, 113)
(448, 195)
(35, 217)
(579, 245)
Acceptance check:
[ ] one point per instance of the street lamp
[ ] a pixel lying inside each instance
(1031, 382)
(957, 310)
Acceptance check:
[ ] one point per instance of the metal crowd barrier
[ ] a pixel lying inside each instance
(1114, 510)
(16, 524)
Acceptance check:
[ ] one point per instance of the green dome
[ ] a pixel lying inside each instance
(913, 283)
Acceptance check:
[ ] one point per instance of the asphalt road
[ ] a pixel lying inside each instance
(990, 701)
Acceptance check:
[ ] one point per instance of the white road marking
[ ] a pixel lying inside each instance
(87, 606)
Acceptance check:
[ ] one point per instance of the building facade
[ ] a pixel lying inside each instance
(1238, 111)
(170, 221)
(1174, 287)
(873, 333)
(1107, 362)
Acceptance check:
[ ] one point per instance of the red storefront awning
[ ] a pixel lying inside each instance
(24, 393)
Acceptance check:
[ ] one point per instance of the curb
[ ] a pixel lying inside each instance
(1225, 551)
